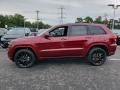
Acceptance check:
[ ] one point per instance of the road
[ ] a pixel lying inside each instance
(69, 74)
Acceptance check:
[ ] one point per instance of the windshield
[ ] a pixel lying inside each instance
(40, 32)
(16, 31)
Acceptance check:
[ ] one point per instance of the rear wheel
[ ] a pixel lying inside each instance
(97, 56)
(24, 58)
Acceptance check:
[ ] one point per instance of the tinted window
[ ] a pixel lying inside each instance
(78, 30)
(58, 32)
(95, 30)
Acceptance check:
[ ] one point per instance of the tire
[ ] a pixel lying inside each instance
(3, 45)
(118, 41)
(24, 58)
(97, 56)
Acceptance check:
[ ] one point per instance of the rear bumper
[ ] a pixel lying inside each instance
(112, 49)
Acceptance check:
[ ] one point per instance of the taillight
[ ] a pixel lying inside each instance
(113, 40)
(118, 37)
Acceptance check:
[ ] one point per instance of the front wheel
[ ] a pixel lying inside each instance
(24, 58)
(97, 56)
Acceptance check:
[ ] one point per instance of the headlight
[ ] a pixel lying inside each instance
(2, 39)
(10, 44)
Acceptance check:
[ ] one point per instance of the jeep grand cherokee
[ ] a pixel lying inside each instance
(92, 41)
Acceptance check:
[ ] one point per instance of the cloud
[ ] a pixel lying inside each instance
(50, 12)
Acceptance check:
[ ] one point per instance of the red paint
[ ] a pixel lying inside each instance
(69, 46)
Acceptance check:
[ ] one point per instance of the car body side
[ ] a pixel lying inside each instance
(39, 45)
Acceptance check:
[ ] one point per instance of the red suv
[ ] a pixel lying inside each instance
(92, 41)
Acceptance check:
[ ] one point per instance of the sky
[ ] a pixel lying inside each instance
(50, 9)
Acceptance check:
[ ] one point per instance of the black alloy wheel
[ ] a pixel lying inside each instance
(24, 58)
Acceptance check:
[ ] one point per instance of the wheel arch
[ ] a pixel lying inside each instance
(19, 48)
(104, 47)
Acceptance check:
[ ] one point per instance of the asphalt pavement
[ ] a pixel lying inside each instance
(63, 74)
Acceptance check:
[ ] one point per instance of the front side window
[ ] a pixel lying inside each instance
(78, 30)
(59, 32)
(95, 30)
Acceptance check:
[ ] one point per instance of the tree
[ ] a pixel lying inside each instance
(105, 21)
(41, 25)
(88, 19)
(28, 24)
(79, 20)
(98, 19)
(17, 20)
(2, 21)
(9, 21)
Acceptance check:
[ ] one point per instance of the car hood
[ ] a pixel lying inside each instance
(26, 40)
(7, 36)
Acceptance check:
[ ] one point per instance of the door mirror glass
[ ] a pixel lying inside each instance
(46, 36)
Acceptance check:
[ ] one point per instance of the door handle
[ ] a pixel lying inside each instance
(63, 39)
(88, 37)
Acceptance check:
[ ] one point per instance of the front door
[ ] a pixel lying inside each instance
(53, 46)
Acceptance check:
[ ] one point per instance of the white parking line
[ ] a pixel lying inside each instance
(114, 59)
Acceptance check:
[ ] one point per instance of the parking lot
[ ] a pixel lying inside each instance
(70, 74)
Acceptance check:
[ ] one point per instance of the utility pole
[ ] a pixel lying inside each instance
(115, 7)
(105, 18)
(37, 12)
(24, 25)
(24, 21)
(61, 15)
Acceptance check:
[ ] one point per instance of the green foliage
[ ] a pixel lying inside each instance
(17, 20)
(88, 19)
(99, 20)
(79, 20)
(2, 21)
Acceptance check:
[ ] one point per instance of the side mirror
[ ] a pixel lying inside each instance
(46, 36)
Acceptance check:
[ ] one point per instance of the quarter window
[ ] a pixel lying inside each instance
(78, 30)
(95, 30)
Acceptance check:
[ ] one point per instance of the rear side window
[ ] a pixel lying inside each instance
(78, 31)
(95, 30)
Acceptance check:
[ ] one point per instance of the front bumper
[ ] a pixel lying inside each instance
(10, 52)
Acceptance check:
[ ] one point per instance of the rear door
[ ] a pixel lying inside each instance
(75, 44)
(98, 34)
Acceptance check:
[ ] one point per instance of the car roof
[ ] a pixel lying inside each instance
(20, 28)
(75, 24)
